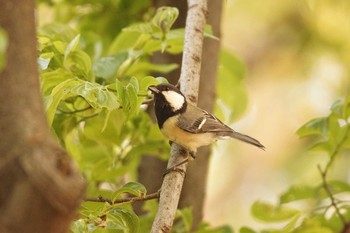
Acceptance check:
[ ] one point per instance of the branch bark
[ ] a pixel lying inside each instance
(189, 85)
(40, 187)
(194, 189)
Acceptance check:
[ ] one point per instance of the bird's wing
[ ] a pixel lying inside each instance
(196, 120)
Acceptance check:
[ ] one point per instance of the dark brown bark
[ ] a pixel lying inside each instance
(40, 187)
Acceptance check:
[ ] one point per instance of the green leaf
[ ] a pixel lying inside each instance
(51, 79)
(335, 186)
(79, 63)
(3, 48)
(133, 188)
(246, 230)
(122, 218)
(206, 228)
(107, 67)
(56, 96)
(45, 59)
(96, 95)
(126, 40)
(312, 226)
(270, 213)
(121, 94)
(143, 28)
(231, 73)
(317, 126)
(297, 192)
(146, 67)
(79, 226)
(165, 18)
(208, 32)
(185, 215)
(72, 46)
(146, 82)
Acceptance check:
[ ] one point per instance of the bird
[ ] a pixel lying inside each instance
(188, 125)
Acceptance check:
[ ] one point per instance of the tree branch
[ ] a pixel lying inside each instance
(124, 200)
(189, 85)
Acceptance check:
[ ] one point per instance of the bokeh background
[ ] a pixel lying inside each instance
(297, 62)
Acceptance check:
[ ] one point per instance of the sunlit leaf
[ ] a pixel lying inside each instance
(78, 62)
(317, 126)
(97, 95)
(230, 89)
(270, 213)
(57, 95)
(297, 192)
(128, 220)
(165, 18)
(133, 188)
(246, 230)
(44, 60)
(107, 67)
(312, 226)
(206, 228)
(208, 32)
(72, 46)
(186, 218)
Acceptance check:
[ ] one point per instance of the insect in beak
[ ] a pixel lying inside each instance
(153, 89)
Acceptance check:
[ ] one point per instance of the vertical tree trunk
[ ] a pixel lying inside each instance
(40, 187)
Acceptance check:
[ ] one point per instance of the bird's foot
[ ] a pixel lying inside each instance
(176, 168)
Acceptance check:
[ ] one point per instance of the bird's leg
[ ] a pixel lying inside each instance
(175, 168)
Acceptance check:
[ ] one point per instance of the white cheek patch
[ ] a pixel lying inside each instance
(175, 99)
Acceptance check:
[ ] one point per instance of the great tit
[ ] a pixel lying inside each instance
(187, 125)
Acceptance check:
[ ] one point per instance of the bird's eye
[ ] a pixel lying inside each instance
(167, 88)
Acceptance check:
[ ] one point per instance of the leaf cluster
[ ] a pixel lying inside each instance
(94, 79)
(323, 207)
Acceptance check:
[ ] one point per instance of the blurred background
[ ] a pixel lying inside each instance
(297, 61)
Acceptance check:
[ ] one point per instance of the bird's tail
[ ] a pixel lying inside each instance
(247, 139)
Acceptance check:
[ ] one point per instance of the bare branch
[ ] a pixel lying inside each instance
(189, 84)
(124, 200)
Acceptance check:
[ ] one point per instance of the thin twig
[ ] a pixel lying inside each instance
(329, 193)
(75, 111)
(124, 200)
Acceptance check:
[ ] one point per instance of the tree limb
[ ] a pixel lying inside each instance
(189, 84)
(124, 200)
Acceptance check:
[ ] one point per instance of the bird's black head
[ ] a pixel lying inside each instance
(168, 101)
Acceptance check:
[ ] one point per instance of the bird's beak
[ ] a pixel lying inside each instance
(153, 89)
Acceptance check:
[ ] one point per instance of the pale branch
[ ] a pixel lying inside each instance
(123, 200)
(189, 85)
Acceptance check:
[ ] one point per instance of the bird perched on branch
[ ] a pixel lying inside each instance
(187, 125)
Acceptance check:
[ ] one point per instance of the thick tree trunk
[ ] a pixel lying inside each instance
(40, 187)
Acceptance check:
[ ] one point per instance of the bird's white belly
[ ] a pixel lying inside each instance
(188, 140)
